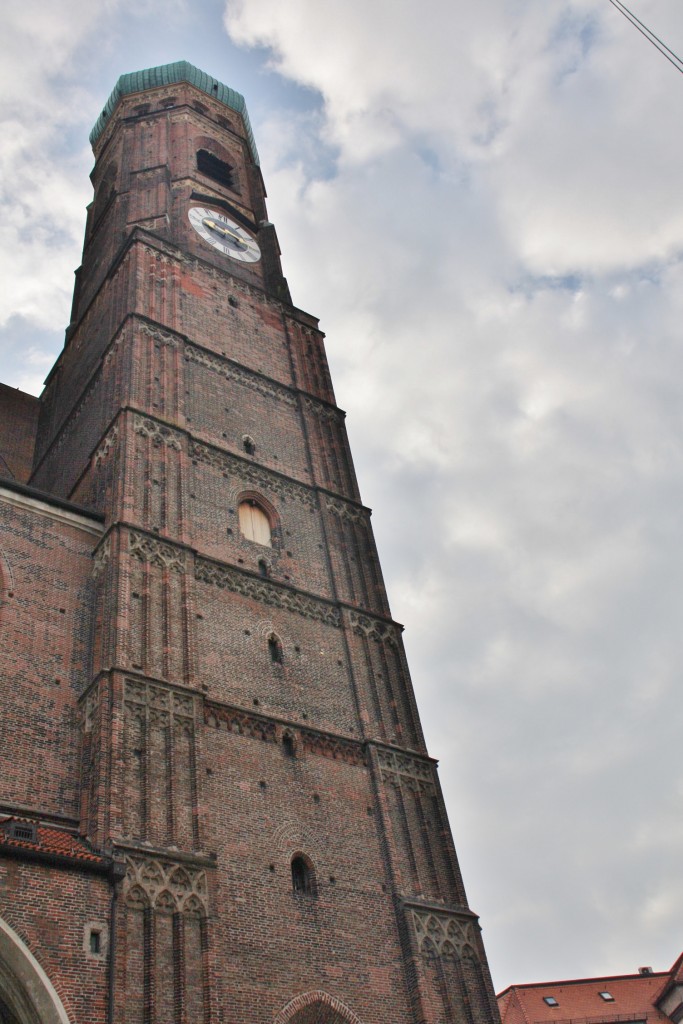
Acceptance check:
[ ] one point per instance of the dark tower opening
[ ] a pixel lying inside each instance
(303, 879)
(215, 168)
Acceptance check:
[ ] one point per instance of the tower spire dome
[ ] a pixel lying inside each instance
(168, 74)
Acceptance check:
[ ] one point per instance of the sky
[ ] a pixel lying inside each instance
(482, 203)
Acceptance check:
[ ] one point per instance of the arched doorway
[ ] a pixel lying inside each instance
(26, 994)
(316, 1008)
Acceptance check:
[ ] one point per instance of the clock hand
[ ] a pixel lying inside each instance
(226, 232)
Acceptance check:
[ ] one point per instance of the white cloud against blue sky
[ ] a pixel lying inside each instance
(482, 203)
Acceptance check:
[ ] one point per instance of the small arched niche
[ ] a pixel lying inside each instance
(275, 649)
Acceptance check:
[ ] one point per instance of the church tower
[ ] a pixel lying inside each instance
(217, 804)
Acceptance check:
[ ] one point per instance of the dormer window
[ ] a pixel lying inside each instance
(25, 830)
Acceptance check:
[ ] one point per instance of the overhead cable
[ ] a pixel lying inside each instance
(649, 35)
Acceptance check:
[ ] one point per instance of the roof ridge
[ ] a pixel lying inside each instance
(595, 980)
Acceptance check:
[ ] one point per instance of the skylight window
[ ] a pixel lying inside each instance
(550, 1001)
(607, 996)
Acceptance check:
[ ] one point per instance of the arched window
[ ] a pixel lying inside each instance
(303, 878)
(263, 568)
(248, 444)
(275, 649)
(288, 744)
(254, 523)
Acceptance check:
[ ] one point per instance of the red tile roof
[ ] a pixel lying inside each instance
(634, 997)
(50, 840)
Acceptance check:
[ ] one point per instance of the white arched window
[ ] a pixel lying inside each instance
(254, 523)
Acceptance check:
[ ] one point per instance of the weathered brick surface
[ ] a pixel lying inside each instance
(18, 425)
(45, 565)
(49, 909)
(223, 706)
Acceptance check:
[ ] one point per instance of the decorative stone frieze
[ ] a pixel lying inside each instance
(113, 349)
(334, 747)
(345, 510)
(258, 727)
(252, 474)
(159, 699)
(106, 446)
(321, 409)
(165, 886)
(164, 253)
(374, 629)
(443, 934)
(158, 335)
(239, 722)
(261, 590)
(238, 374)
(156, 552)
(404, 770)
(101, 557)
(89, 707)
(157, 432)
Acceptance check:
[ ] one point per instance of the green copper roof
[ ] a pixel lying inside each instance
(167, 74)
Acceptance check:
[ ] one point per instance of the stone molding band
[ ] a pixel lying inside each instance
(226, 578)
(165, 555)
(162, 434)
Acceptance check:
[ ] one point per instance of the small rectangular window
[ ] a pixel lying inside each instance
(607, 996)
(28, 831)
(550, 1000)
(95, 942)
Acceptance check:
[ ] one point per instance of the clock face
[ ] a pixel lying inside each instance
(224, 234)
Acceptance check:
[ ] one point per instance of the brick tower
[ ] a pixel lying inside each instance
(217, 805)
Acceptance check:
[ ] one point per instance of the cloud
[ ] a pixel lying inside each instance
(492, 235)
(54, 60)
(45, 184)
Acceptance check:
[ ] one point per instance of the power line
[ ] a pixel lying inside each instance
(649, 35)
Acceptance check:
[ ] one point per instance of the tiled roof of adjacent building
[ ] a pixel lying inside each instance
(616, 998)
(167, 74)
(26, 834)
